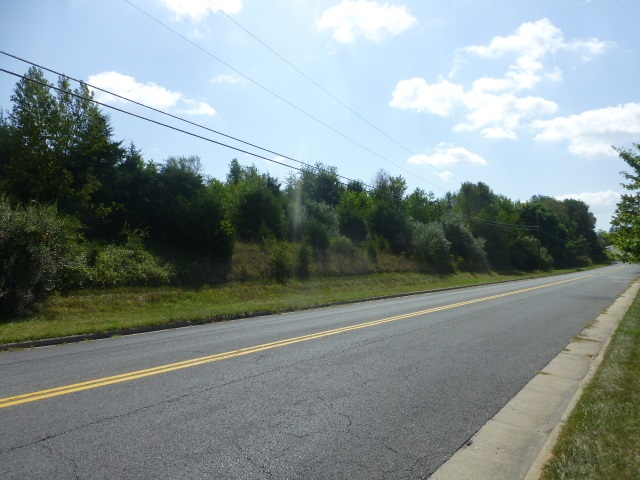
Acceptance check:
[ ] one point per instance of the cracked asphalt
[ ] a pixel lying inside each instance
(388, 401)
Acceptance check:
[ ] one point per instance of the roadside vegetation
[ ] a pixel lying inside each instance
(85, 219)
(601, 439)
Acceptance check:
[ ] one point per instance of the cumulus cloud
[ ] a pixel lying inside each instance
(417, 94)
(500, 116)
(198, 10)
(592, 133)
(496, 106)
(531, 43)
(198, 108)
(351, 19)
(447, 155)
(149, 94)
(601, 204)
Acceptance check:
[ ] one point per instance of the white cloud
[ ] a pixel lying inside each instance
(601, 204)
(445, 176)
(592, 133)
(351, 19)
(493, 105)
(447, 155)
(499, 116)
(605, 199)
(198, 10)
(531, 43)
(198, 108)
(149, 94)
(416, 94)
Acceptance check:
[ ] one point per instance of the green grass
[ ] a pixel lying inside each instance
(601, 439)
(119, 309)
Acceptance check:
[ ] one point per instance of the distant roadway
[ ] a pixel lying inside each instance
(380, 389)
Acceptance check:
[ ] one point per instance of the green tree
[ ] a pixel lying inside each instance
(256, 203)
(423, 207)
(354, 210)
(389, 218)
(321, 183)
(625, 226)
(58, 149)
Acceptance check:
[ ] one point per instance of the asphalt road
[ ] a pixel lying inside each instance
(382, 389)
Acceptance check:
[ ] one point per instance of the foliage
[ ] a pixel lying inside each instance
(353, 211)
(130, 264)
(60, 150)
(304, 260)
(467, 250)
(256, 204)
(344, 246)
(391, 223)
(57, 149)
(317, 235)
(625, 234)
(36, 255)
(524, 255)
(321, 183)
(281, 262)
(431, 247)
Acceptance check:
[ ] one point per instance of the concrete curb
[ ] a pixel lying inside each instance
(517, 442)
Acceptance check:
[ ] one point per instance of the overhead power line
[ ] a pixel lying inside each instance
(279, 97)
(307, 165)
(156, 122)
(195, 135)
(336, 99)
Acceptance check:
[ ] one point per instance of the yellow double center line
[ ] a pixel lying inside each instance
(125, 377)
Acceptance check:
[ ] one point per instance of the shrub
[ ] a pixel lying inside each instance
(317, 234)
(431, 247)
(304, 260)
(392, 223)
(130, 264)
(371, 247)
(281, 262)
(524, 255)
(37, 247)
(468, 250)
(344, 246)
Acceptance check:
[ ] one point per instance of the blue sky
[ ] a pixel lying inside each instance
(526, 96)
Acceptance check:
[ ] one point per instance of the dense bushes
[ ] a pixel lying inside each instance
(38, 254)
(431, 247)
(129, 264)
(57, 149)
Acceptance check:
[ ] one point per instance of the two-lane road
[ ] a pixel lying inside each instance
(382, 389)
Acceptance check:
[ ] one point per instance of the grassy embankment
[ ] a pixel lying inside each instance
(601, 439)
(337, 278)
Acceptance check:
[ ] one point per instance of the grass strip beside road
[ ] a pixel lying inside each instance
(601, 439)
(117, 310)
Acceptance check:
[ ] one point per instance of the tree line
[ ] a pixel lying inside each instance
(78, 208)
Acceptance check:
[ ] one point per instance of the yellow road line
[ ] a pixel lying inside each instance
(125, 377)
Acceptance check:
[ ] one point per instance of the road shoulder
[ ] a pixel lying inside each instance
(518, 440)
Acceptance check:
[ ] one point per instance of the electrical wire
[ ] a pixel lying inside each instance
(258, 84)
(141, 117)
(406, 149)
(307, 165)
